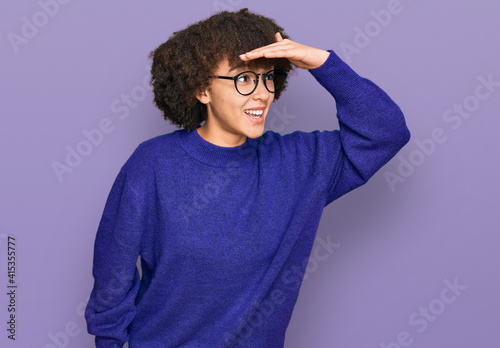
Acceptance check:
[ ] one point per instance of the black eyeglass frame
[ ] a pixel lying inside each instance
(264, 75)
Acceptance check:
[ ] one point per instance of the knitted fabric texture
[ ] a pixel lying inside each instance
(224, 233)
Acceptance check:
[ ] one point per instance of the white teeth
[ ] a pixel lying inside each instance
(255, 112)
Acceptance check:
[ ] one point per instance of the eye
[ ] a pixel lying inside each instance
(244, 78)
(270, 76)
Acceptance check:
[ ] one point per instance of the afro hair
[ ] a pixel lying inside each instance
(182, 66)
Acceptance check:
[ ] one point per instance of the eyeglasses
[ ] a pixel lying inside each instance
(246, 82)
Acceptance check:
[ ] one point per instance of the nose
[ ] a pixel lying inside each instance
(261, 92)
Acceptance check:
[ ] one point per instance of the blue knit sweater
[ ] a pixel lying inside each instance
(224, 233)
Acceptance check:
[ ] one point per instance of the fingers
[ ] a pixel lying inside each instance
(283, 49)
(303, 56)
(268, 51)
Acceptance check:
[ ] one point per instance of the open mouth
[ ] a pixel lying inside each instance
(255, 114)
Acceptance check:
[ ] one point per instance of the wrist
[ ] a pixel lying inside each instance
(323, 56)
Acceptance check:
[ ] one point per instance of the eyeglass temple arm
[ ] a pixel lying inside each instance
(225, 77)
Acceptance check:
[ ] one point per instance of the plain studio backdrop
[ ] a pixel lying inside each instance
(413, 258)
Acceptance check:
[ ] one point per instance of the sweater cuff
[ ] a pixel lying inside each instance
(338, 78)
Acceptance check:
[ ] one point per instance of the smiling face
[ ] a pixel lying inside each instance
(233, 117)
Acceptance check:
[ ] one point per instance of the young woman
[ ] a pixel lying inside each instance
(223, 214)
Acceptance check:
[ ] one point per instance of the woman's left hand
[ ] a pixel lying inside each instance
(303, 56)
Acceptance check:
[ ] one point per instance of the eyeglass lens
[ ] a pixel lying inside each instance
(273, 80)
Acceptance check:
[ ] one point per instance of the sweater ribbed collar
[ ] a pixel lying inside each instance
(212, 154)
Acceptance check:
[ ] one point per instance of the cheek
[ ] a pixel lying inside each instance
(233, 102)
(227, 102)
(227, 105)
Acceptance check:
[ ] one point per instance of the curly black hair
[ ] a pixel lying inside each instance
(182, 66)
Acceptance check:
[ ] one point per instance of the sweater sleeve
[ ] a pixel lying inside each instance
(372, 126)
(125, 220)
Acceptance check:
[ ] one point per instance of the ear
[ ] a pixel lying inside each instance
(203, 96)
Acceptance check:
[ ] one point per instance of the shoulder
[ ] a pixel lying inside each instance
(298, 138)
(159, 142)
(305, 147)
(149, 152)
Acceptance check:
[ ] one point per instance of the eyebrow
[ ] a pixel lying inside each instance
(237, 66)
(243, 65)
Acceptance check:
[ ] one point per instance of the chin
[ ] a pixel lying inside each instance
(255, 134)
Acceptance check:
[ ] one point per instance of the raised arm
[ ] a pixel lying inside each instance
(372, 126)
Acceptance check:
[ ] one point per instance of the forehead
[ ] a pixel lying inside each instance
(258, 65)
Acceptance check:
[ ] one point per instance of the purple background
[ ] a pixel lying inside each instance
(397, 246)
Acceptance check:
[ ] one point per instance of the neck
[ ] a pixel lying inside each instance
(220, 137)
